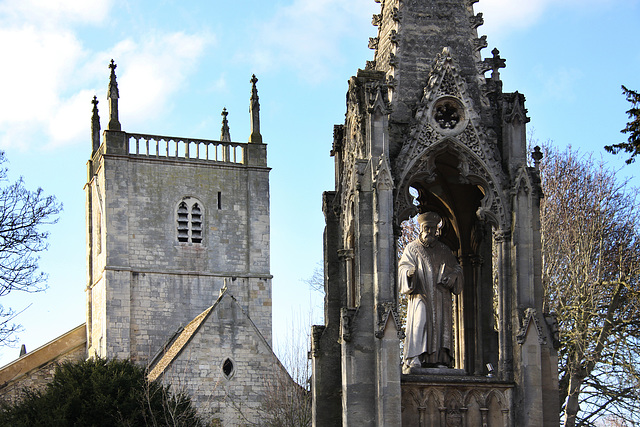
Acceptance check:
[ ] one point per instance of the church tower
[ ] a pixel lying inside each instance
(170, 222)
(426, 130)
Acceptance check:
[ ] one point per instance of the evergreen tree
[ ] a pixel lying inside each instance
(633, 128)
(97, 392)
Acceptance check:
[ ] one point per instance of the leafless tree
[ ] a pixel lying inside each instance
(23, 215)
(288, 399)
(591, 274)
(316, 281)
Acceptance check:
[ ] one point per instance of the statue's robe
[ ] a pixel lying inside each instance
(429, 308)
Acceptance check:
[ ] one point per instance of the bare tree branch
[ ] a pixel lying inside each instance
(23, 213)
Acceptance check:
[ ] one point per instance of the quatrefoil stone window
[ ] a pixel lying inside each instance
(448, 115)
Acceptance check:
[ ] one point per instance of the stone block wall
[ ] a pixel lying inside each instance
(154, 283)
(254, 382)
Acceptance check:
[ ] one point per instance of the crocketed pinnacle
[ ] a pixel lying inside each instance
(95, 125)
(112, 96)
(225, 134)
(254, 111)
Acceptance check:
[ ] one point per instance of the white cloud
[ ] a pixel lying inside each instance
(152, 70)
(502, 16)
(307, 35)
(505, 15)
(71, 120)
(38, 66)
(49, 78)
(55, 12)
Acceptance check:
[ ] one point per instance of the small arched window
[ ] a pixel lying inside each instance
(228, 368)
(189, 218)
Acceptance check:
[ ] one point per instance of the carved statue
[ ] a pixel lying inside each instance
(429, 274)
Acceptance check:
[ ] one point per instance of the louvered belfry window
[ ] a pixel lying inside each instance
(189, 221)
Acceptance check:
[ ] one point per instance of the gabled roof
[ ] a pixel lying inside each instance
(179, 344)
(43, 355)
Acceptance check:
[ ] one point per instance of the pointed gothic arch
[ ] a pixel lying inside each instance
(454, 181)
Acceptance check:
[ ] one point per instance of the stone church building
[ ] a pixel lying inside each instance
(178, 267)
(178, 247)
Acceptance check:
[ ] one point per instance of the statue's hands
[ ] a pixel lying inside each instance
(446, 282)
(411, 273)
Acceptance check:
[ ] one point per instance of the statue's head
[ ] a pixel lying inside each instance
(430, 223)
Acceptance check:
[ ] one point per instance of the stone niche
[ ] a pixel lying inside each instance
(440, 182)
(455, 402)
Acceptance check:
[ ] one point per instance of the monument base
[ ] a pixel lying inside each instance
(446, 397)
(432, 371)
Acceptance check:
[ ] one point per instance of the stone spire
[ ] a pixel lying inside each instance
(254, 111)
(225, 135)
(411, 35)
(95, 126)
(112, 96)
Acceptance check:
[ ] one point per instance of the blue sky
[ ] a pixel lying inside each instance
(181, 62)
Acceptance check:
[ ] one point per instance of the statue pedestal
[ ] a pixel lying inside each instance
(443, 372)
(442, 396)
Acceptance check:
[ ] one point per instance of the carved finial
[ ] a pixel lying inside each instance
(95, 125)
(254, 111)
(497, 64)
(112, 96)
(225, 135)
(537, 156)
(476, 20)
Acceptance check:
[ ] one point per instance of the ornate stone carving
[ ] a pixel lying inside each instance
(373, 43)
(376, 20)
(456, 404)
(316, 334)
(448, 86)
(346, 319)
(537, 156)
(554, 328)
(476, 21)
(530, 318)
(377, 98)
(494, 64)
(383, 179)
(385, 311)
(501, 236)
(448, 115)
(393, 61)
(514, 108)
(338, 137)
(480, 43)
(393, 37)
(395, 14)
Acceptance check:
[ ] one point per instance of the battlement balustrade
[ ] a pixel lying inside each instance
(158, 146)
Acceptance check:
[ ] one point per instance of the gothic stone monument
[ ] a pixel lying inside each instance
(427, 131)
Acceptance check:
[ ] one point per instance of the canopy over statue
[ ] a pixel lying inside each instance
(429, 274)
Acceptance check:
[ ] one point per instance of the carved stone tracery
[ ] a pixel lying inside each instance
(530, 318)
(387, 311)
(454, 405)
